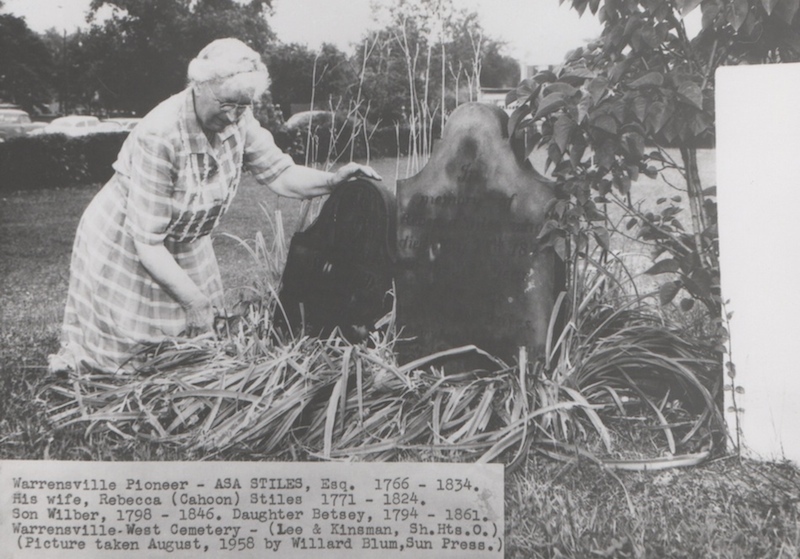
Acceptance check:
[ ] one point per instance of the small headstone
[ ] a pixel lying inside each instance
(470, 270)
(338, 271)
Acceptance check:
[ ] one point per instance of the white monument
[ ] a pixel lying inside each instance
(758, 170)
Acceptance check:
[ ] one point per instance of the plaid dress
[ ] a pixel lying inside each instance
(171, 187)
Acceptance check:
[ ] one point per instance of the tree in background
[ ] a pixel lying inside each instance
(498, 69)
(298, 74)
(608, 114)
(71, 66)
(26, 65)
(427, 59)
(138, 57)
(430, 57)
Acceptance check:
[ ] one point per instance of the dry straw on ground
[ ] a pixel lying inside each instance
(252, 390)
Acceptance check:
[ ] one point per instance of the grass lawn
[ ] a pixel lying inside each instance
(724, 508)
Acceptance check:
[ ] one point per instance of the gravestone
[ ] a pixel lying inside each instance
(470, 270)
(758, 201)
(338, 272)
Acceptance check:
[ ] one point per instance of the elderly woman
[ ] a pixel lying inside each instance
(143, 268)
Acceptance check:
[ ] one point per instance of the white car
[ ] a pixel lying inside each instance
(79, 125)
(125, 123)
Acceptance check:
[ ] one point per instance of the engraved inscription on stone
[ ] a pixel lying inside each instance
(470, 269)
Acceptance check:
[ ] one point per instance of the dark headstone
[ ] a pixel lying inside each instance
(470, 270)
(339, 270)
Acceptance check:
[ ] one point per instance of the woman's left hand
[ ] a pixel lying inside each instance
(354, 171)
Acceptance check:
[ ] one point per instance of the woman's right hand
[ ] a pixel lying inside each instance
(199, 316)
(165, 270)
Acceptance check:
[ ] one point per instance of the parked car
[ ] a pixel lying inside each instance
(126, 123)
(79, 125)
(15, 123)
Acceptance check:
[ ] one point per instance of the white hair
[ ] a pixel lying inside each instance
(231, 60)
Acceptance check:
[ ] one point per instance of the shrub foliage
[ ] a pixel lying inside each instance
(56, 160)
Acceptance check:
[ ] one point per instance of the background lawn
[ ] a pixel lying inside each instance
(724, 508)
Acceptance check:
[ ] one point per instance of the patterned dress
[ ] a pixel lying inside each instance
(171, 187)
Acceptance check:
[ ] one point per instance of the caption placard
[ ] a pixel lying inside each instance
(250, 509)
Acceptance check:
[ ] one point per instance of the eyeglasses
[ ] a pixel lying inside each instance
(231, 108)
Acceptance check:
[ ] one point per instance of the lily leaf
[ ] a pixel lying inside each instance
(655, 116)
(559, 87)
(668, 291)
(516, 117)
(602, 236)
(607, 123)
(739, 13)
(563, 128)
(639, 107)
(560, 246)
(692, 93)
(634, 144)
(663, 267)
(652, 79)
(550, 104)
(597, 88)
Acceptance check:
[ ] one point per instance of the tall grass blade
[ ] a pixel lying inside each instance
(330, 419)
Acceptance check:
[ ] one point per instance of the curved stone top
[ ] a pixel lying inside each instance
(475, 157)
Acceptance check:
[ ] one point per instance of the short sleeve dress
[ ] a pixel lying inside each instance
(171, 186)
